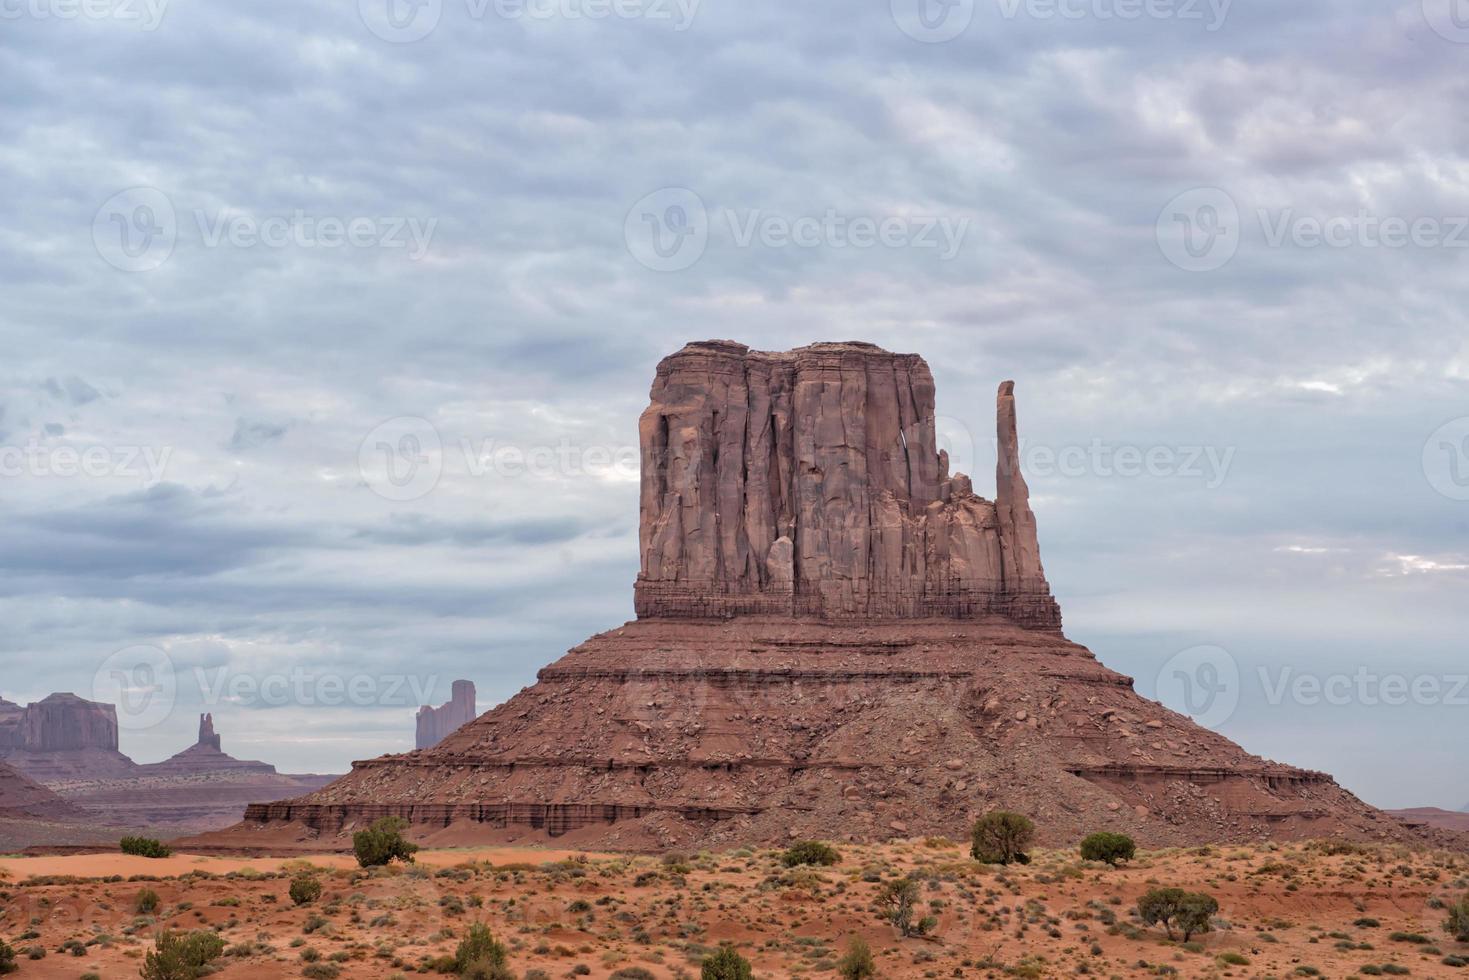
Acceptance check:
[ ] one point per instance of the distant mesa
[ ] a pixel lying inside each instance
(1429, 816)
(436, 724)
(61, 736)
(68, 747)
(835, 637)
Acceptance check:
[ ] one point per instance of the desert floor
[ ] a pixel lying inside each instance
(1289, 910)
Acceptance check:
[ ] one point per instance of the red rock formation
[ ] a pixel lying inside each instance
(61, 736)
(435, 724)
(22, 797)
(835, 639)
(809, 483)
(205, 755)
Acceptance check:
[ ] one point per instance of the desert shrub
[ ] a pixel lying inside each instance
(1001, 837)
(146, 903)
(725, 964)
(810, 852)
(480, 956)
(383, 842)
(897, 899)
(1174, 908)
(1108, 848)
(7, 958)
(182, 956)
(146, 847)
(857, 963)
(305, 889)
(632, 973)
(1231, 958)
(1457, 924)
(321, 971)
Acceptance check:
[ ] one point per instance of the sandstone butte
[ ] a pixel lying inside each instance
(433, 725)
(835, 638)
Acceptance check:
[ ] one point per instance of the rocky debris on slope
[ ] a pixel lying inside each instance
(836, 638)
(809, 482)
(435, 724)
(61, 736)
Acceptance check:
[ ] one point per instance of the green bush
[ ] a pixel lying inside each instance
(1174, 908)
(146, 903)
(1457, 924)
(383, 842)
(305, 889)
(857, 963)
(480, 956)
(725, 964)
(897, 899)
(182, 956)
(810, 852)
(1001, 837)
(7, 958)
(321, 971)
(144, 847)
(1108, 848)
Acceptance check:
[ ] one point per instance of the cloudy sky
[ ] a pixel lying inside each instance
(258, 259)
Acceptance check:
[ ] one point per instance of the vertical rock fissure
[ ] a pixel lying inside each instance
(846, 510)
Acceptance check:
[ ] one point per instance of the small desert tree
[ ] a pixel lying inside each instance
(480, 956)
(725, 964)
(182, 956)
(1108, 848)
(305, 889)
(810, 852)
(383, 842)
(857, 963)
(1174, 908)
(1457, 924)
(7, 958)
(1001, 837)
(897, 900)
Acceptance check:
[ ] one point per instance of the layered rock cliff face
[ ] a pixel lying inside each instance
(60, 736)
(434, 724)
(836, 638)
(809, 483)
